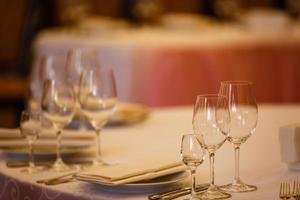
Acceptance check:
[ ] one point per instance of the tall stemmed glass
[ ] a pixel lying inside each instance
(74, 68)
(30, 127)
(192, 155)
(77, 60)
(97, 98)
(243, 119)
(206, 124)
(43, 70)
(58, 106)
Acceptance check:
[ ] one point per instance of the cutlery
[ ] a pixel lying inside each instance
(296, 190)
(284, 192)
(172, 194)
(58, 179)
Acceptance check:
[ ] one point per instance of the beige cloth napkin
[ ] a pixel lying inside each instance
(133, 171)
(14, 133)
(10, 138)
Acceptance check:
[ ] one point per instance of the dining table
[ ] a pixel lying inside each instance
(162, 66)
(159, 136)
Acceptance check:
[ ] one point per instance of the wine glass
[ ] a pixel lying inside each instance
(97, 98)
(58, 106)
(30, 127)
(43, 70)
(74, 68)
(206, 124)
(192, 155)
(77, 60)
(243, 119)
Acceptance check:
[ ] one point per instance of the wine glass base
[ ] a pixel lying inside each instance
(60, 166)
(33, 170)
(193, 198)
(238, 187)
(97, 163)
(213, 192)
(101, 163)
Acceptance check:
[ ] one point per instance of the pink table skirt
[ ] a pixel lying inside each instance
(175, 76)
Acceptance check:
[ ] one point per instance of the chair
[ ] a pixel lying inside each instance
(15, 39)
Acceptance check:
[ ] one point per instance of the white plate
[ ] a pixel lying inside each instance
(155, 184)
(126, 113)
(123, 114)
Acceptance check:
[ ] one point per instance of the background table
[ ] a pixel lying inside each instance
(159, 67)
(159, 136)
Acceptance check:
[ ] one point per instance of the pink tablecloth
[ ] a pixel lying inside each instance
(176, 75)
(160, 68)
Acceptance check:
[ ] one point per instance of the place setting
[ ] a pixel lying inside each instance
(63, 151)
(48, 128)
(212, 118)
(59, 101)
(230, 116)
(73, 109)
(60, 137)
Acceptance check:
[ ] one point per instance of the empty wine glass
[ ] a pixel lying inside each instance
(97, 98)
(74, 67)
(58, 106)
(206, 124)
(30, 127)
(42, 70)
(243, 119)
(77, 60)
(192, 155)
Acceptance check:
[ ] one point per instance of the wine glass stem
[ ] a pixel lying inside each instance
(212, 168)
(237, 163)
(98, 142)
(81, 122)
(58, 139)
(31, 162)
(193, 176)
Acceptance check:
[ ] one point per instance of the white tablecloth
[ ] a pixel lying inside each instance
(160, 136)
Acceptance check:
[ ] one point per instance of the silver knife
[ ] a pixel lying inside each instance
(172, 194)
(58, 179)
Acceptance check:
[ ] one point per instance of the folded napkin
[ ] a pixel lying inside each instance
(11, 138)
(133, 171)
(14, 133)
(289, 138)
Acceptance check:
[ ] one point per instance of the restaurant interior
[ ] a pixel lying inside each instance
(162, 66)
(30, 18)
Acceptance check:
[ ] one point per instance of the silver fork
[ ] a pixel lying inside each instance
(285, 192)
(296, 190)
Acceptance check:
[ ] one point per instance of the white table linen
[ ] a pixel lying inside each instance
(159, 136)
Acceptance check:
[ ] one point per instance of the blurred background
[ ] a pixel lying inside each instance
(21, 22)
